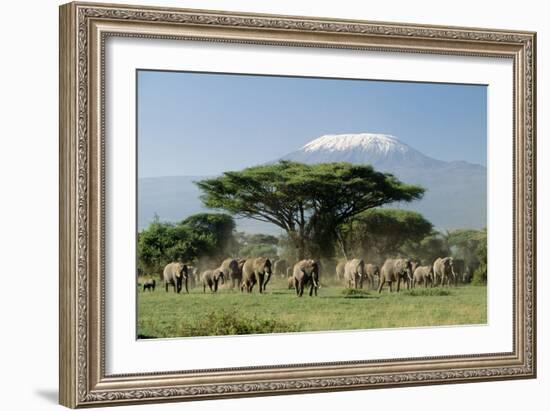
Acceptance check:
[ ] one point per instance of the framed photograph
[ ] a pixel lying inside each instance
(263, 205)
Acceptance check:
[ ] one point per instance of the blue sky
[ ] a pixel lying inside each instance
(203, 124)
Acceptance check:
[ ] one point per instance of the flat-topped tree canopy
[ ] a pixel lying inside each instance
(309, 202)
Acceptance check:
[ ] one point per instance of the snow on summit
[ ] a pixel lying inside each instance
(375, 143)
(381, 150)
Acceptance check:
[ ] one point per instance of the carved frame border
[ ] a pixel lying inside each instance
(83, 30)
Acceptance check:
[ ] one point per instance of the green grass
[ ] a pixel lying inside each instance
(162, 314)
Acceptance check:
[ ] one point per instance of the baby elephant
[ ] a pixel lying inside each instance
(211, 279)
(423, 274)
(149, 285)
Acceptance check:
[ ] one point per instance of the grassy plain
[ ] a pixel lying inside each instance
(230, 312)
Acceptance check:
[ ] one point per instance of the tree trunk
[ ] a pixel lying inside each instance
(342, 244)
(299, 243)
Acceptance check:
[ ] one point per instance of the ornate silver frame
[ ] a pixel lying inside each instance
(83, 30)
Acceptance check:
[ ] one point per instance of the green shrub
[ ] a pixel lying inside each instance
(480, 275)
(233, 323)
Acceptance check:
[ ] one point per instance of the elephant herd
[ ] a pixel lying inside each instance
(355, 273)
(444, 271)
(242, 273)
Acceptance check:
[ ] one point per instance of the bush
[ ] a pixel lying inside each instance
(233, 323)
(480, 275)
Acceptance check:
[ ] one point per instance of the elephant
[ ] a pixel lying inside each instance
(340, 269)
(280, 267)
(443, 271)
(423, 274)
(371, 272)
(354, 273)
(459, 268)
(306, 272)
(256, 270)
(414, 265)
(291, 282)
(468, 274)
(175, 274)
(211, 279)
(231, 271)
(149, 285)
(395, 270)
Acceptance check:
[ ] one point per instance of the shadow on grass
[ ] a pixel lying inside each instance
(146, 337)
(427, 292)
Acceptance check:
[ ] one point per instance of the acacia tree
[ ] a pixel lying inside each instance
(309, 202)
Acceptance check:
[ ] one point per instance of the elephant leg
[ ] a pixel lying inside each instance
(296, 287)
(267, 278)
(382, 282)
(398, 284)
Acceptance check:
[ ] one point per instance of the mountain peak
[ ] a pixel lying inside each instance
(374, 143)
(385, 152)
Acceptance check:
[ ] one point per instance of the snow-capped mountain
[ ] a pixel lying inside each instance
(379, 150)
(456, 195)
